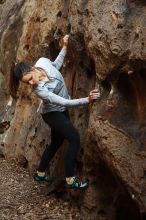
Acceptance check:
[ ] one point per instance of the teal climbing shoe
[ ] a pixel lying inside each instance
(45, 178)
(78, 184)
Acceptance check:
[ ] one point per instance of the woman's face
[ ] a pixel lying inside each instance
(32, 77)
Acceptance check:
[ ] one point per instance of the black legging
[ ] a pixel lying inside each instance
(61, 128)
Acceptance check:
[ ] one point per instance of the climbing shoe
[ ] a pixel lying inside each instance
(78, 184)
(45, 178)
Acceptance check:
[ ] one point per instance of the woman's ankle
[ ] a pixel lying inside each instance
(70, 180)
(40, 173)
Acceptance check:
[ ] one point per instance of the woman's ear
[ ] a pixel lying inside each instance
(35, 69)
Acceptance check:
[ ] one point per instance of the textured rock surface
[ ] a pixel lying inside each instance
(107, 51)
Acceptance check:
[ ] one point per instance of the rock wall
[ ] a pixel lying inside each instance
(106, 51)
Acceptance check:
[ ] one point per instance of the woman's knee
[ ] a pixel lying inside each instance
(57, 143)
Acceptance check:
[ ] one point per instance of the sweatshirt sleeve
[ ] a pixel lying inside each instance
(60, 58)
(46, 95)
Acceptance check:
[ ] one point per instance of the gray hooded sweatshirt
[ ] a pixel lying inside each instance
(53, 92)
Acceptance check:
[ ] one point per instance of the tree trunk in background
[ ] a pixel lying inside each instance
(107, 50)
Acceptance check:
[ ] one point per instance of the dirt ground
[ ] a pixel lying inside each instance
(22, 198)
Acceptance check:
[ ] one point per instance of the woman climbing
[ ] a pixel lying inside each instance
(48, 84)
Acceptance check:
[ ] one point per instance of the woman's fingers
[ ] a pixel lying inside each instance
(65, 39)
(93, 95)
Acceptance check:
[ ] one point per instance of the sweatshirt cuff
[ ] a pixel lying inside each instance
(63, 51)
(87, 100)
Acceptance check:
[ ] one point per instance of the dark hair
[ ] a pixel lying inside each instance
(16, 73)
